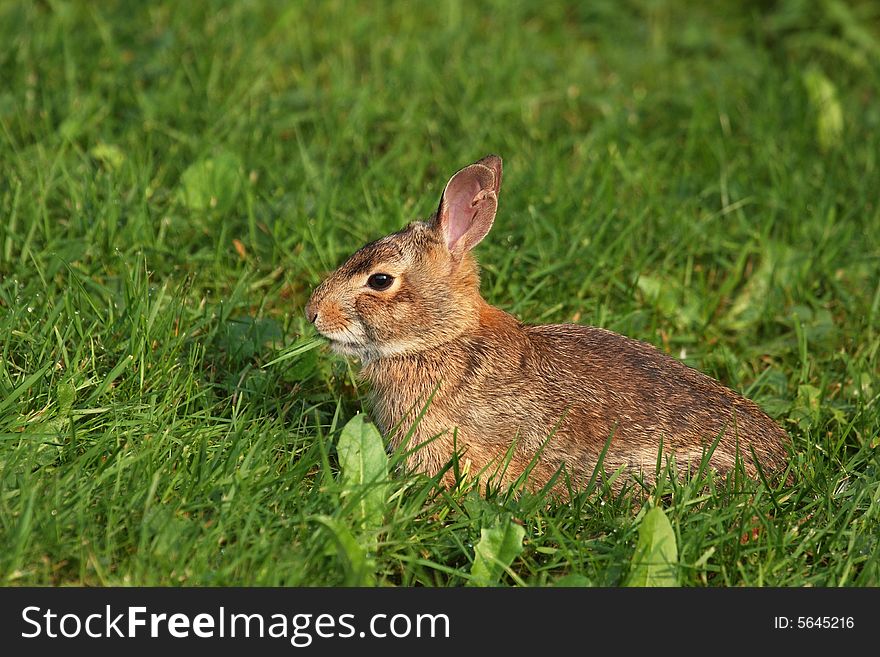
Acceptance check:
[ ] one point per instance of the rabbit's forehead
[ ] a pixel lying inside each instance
(399, 250)
(366, 259)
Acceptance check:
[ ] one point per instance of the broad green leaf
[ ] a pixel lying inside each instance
(670, 298)
(659, 293)
(109, 155)
(656, 556)
(213, 182)
(65, 394)
(749, 307)
(829, 113)
(498, 547)
(359, 568)
(807, 407)
(573, 580)
(363, 467)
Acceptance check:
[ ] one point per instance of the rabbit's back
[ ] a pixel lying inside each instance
(627, 389)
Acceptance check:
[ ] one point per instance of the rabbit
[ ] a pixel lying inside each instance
(509, 398)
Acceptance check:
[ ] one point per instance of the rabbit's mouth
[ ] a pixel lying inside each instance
(347, 341)
(345, 345)
(337, 343)
(350, 336)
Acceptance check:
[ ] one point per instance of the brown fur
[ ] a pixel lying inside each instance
(508, 396)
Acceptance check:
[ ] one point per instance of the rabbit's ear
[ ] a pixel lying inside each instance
(468, 205)
(494, 163)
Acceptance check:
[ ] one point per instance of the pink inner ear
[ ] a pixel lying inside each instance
(460, 207)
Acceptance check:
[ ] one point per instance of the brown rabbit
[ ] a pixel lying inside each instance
(506, 396)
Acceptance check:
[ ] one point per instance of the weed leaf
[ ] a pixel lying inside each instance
(573, 580)
(498, 547)
(359, 568)
(363, 467)
(829, 113)
(65, 395)
(213, 182)
(109, 155)
(656, 556)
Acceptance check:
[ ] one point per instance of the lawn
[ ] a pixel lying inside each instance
(175, 179)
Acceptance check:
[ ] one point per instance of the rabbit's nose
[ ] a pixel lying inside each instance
(311, 312)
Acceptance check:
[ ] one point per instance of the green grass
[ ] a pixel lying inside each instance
(176, 177)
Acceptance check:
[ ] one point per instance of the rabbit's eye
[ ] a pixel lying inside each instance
(380, 281)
